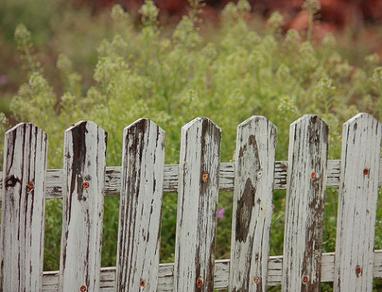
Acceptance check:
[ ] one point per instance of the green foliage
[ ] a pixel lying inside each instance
(227, 75)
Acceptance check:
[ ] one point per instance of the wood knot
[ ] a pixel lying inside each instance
(305, 279)
(85, 185)
(199, 283)
(205, 176)
(358, 271)
(83, 288)
(142, 283)
(30, 186)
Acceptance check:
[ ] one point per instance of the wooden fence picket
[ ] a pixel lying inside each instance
(143, 178)
(22, 229)
(307, 163)
(84, 165)
(140, 207)
(197, 202)
(361, 147)
(252, 204)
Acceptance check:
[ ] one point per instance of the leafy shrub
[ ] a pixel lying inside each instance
(227, 74)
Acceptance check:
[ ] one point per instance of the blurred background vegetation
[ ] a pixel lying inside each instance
(65, 61)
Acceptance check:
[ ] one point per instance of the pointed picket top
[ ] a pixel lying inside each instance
(201, 121)
(361, 117)
(24, 127)
(22, 228)
(358, 194)
(140, 207)
(84, 123)
(254, 120)
(252, 204)
(83, 194)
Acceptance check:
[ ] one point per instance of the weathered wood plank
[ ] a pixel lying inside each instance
(140, 207)
(361, 147)
(85, 158)
(55, 178)
(197, 201)
(222, 267)
(307, 156)
(252, 204)
(22, 228)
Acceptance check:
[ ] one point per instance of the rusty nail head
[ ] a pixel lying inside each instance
(30, 186)
(142, 283)
(257, 280)
(305, 279)
(199, 282)
(85, 184)
(83, 288)
(366, 172)
(358, 270)
(205, 176)
(313, 175)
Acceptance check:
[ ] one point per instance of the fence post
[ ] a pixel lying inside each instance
(84, 167)
(197, 200)
(140, 207)
(361, 146)
(22, 227)
(252, 204)
(306, 181)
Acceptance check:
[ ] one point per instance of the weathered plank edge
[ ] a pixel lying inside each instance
(55, 177)
(50, 279)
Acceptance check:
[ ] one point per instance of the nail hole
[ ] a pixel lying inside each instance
(83, 288)
(199, 283)
(85, 185)
(366, 172)
(358, 271)
(30, 186)
(313, 175)
(205, 176)
(142, 283)
(305, 279)
(257, 280)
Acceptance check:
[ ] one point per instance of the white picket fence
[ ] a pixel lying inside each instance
(141, 181)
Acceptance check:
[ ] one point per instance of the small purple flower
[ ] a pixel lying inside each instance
(3, 79)
(220, 213)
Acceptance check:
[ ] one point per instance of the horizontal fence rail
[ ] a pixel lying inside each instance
(142, 179)
(221, 279)
(55, 178)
